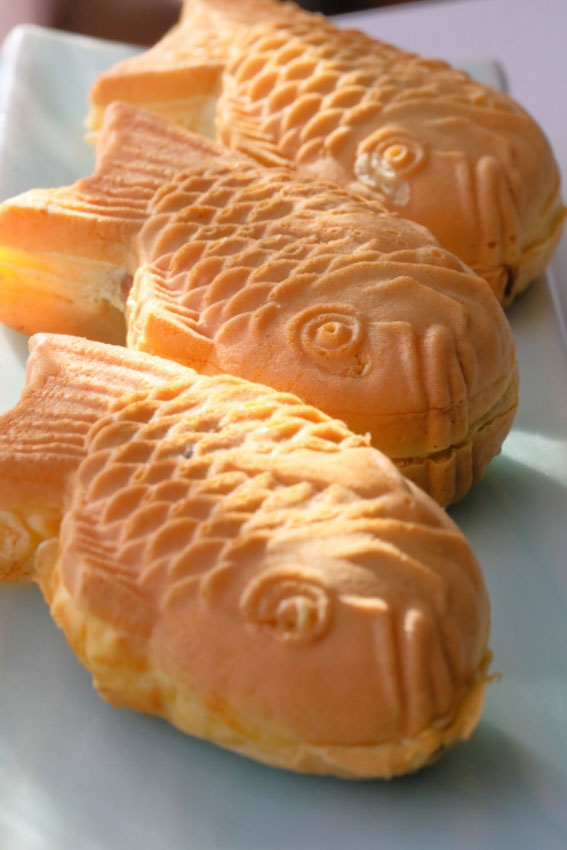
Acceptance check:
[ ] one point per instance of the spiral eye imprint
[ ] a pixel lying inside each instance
(387, 157)
(332, 332)
(395, 152)
(401, 156)
(287, 604)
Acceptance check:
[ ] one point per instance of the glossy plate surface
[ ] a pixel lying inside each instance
(75, 773)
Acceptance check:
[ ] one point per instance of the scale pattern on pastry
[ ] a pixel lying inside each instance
(432, 144)
(225, 556)
(282, 280)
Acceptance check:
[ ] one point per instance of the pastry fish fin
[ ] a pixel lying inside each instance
(244, 133)
(165, 327)
(242, 136)
(70, 384)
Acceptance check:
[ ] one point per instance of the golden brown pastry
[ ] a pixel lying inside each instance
(432, 144)
(240, 564)
(285, 281)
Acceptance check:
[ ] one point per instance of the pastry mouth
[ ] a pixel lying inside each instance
(510, 280)
(448, 474)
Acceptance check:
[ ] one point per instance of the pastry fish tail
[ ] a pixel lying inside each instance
(70, 384)
(225, 12)
(67, 255)
(179, 78)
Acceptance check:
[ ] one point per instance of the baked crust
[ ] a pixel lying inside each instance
(279, 279)
(243, 565)
(428, 141)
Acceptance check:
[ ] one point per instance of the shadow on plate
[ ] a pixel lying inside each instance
(18, 342)
(165, 787)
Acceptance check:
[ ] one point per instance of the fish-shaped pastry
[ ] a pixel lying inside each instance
(227, 557)
(252, 271)
(286, 86)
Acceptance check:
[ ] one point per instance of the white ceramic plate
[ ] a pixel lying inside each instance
(76, 774)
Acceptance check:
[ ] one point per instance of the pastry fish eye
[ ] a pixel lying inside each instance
(333, 335)
(289, 604)
(387, 158)
(394, 151)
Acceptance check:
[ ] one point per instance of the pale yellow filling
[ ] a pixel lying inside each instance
(80, 280)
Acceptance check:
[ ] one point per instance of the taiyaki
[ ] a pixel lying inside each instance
(286, 86)
(283, 280)
(227, 557)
